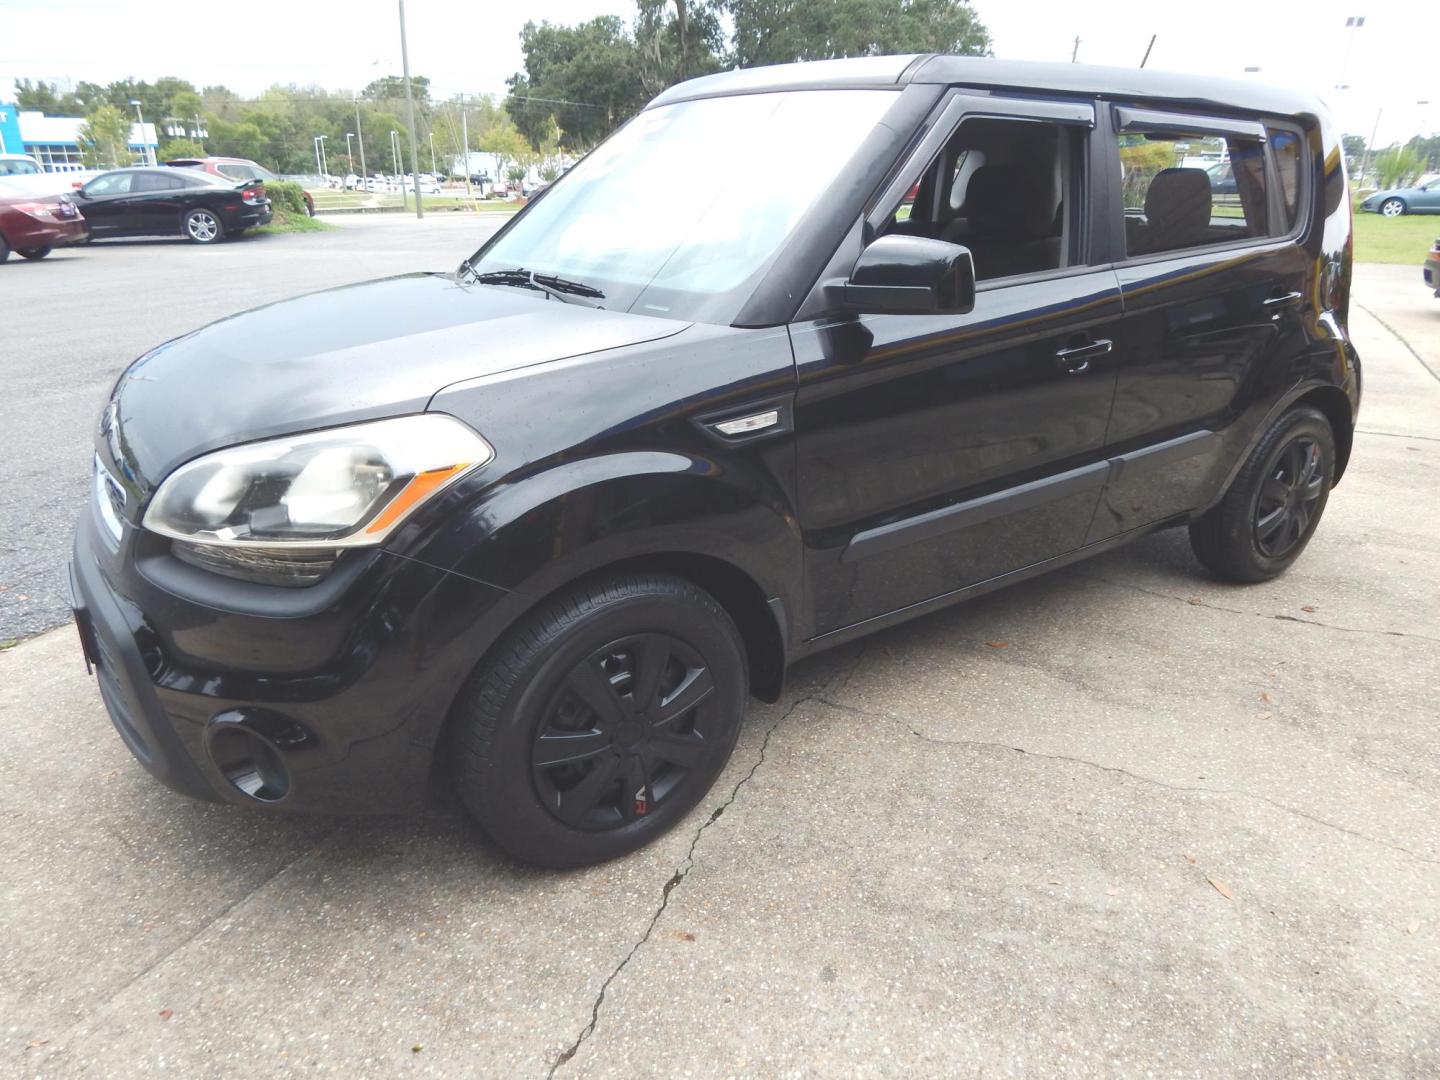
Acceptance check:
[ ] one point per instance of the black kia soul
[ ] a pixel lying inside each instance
(546, 521)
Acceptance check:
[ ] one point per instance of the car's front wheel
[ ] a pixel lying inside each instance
(34, 253)
(601, 719)
(203, 226)
(1392, 207)
(1274, 504)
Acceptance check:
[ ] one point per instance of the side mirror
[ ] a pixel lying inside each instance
(911, 275)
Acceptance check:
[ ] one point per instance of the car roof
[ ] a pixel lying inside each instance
(991, 74)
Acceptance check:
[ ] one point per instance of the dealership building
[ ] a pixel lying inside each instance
(54, 141)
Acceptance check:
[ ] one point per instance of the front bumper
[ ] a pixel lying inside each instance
(223, 696)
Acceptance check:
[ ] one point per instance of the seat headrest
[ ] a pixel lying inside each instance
(1002, 200)
(1178, 207)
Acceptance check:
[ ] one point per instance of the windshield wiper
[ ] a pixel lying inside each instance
(560, 288)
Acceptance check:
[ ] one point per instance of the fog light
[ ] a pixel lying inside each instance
(243, 746)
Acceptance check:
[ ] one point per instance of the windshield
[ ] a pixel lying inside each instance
(680, 212)
(18, 167)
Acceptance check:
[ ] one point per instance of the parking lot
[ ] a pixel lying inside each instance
(1117, 821)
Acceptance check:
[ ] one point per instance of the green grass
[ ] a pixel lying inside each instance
(1403, 239)
(293, 223)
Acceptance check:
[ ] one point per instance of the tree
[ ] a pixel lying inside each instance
(588, 75)
(783, 31)
(105, 138)
(1396, 166)
(46, 98)
(673, 48)
(1354, 148)
(391, 88)
(181, 148)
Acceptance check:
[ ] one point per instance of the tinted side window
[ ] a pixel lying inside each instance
(1184, 190)
(1288, 149)
(117, 183)
(235, 172)
(156, 182)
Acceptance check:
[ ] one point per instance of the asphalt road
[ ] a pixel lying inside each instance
(75, 320)
(1117, 821)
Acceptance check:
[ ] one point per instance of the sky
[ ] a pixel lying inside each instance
(467, 46)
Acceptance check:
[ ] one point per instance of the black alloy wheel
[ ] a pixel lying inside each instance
(1273, 506)
(1285, 502)
(601, 719)
(624, 731)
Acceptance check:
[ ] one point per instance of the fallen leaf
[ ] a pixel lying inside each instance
(1265, 716)
(1413, 927)
(165, 1014)
(1190, 858)
(1221, 888)
(998, 644)
(1307, 607)
(35, 1044)
(1052, 883)
(1265, 697)
(1195, 601)
(1112, 892)
(416, 1048)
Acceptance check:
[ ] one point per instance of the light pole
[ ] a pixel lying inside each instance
(1352, 23)
(320, 162)
(144, 146)
(360, 138)
(395, 154)
(432, 155)
(410, 115)
(349, 157)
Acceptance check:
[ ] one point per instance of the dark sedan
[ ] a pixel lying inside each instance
(172, 202)
(34, 225)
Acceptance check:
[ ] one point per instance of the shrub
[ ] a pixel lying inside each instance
(287, 198)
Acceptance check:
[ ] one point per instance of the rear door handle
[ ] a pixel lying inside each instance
(1281, 300)
(1076, 359)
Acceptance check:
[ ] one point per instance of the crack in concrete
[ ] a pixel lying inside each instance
(1398, 435)
(681, 872)
(1137, 777)
(1197, 602)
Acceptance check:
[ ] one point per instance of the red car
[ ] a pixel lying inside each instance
(34, 225)
(236, 169)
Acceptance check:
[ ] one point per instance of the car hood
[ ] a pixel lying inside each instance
(360, 352)
(1387, 193)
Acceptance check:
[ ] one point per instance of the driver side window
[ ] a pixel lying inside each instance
(1004, 189)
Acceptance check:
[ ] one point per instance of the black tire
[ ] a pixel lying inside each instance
(34, 253)
(202, 226)
(1393, 208)
(1274, 504)
(549, 736)
(4, 249)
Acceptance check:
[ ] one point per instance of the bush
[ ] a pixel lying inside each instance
(287, 198)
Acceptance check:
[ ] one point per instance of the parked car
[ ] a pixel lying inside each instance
(24, 172)
(1432, 268)
(548, 520)
(200, 206)
(1424, 198)
(236, 169)
(34, 225)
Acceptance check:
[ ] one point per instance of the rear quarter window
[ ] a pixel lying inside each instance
(1288, 150)
(1191, 189)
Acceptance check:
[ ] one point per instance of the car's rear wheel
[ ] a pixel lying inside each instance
(34, 253)
(1392, 207)
(4, 249)
(203, 226)
(1274, 504)
(601, 719)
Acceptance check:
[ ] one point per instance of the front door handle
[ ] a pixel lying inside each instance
(1076, 358)
(1282, 300)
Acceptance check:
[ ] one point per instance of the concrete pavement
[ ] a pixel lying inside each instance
(1118, 821)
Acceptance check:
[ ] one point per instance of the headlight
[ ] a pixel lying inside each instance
(304, 495)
